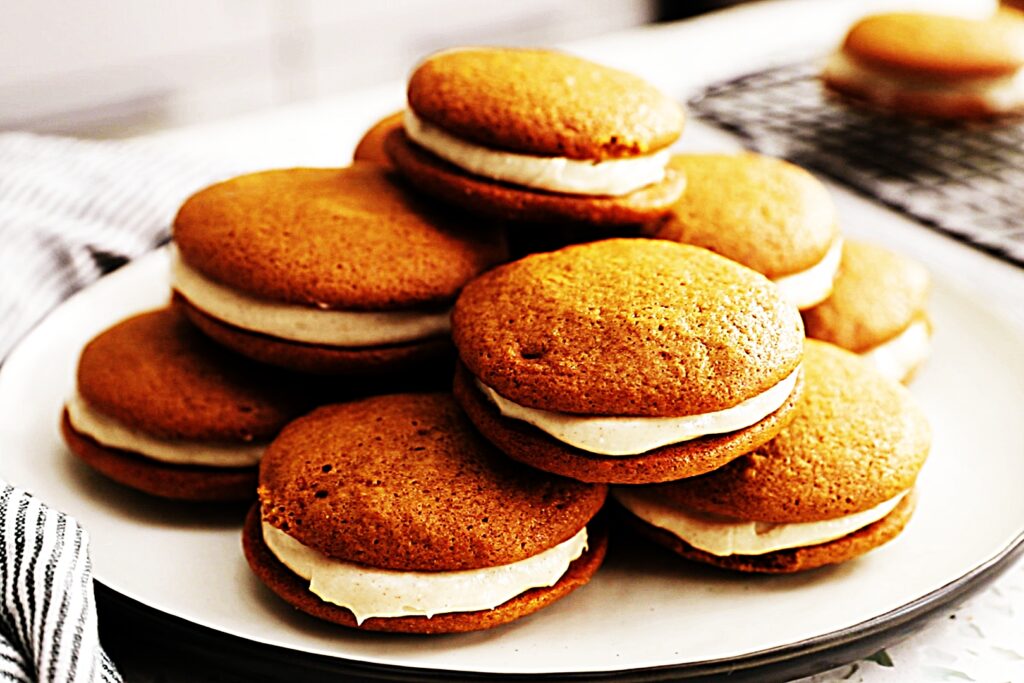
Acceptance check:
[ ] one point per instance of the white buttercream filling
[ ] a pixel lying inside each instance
(619, 436)
(611, 177)
(897, 357)
(303, 323)
(113, 434)
(369, 592)
(998, 92)
(810, 287)
(724, 536)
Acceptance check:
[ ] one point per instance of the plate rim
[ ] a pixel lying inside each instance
(875, 628)
(782, 662)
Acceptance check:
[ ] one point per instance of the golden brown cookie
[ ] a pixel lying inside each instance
(393, 360)
(295, 591)
(175, 482)
(334, 239)
(162, 409)
(623, 327)
(438, 178)
(878, 295)
(627, 360)
(793, 559)
(853, 452)
(531, 446)
(858, 440)
(765, 213)
(543, 103)
(403, 483)
(326, 268)
(933, 65)
(938, 45)
(538, 136)
(371, 146)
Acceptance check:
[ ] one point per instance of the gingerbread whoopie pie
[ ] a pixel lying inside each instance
(371, 145)
(539, 136)
(392, 514)
(325, 270)
(835, 483)
(933, 65)
(162, 409)
(877, 309)
(627, 360)
(765, 213)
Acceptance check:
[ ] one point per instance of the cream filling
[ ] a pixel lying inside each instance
(724, 536)
(810, 287)
(369, 592)
(612, 177)
(897, 357)
(634, 435)
(303, 323)
(998, 92)
(113, 434)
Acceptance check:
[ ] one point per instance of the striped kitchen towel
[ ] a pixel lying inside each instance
(70, 211)
(47, 616)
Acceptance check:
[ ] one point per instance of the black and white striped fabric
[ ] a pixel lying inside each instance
(47, 616)
(70, 211)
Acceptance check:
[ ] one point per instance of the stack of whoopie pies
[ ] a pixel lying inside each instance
(668, 361)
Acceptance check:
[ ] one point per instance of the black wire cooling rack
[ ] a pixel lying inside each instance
(966, 180)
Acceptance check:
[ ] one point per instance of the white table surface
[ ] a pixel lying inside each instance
(984, 639)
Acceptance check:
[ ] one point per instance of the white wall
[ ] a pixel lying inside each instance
(115, 67)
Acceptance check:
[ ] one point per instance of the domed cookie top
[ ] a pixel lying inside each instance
(404, 482)
(345, 238)
(627, 327)
(933, 45)
(858, 441)
(765, 213)
(155, 373)
(544, 103)
(877, 295)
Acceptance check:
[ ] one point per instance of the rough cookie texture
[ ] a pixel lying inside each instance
(858, 440)
(405, 482)
(154, 372)
(348, 239)
(792, 559)
(627, 327)
(937, 46)
(877, 294)
(295, 591)
(437, 178)
(529, 445)
(543, 102)
(765, 213)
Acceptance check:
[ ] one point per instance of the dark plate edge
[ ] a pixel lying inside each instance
(266, 662)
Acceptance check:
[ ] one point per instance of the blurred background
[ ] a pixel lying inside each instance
(113, 68)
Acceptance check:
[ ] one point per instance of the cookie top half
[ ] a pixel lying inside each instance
(543, 102)
(154, 372)
(404, 482)
(627, 327)
(939, 46)
(858, 440)
(765, 213)
(348, 238)
(877, 294)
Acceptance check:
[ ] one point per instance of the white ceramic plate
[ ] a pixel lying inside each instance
(644, 609)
